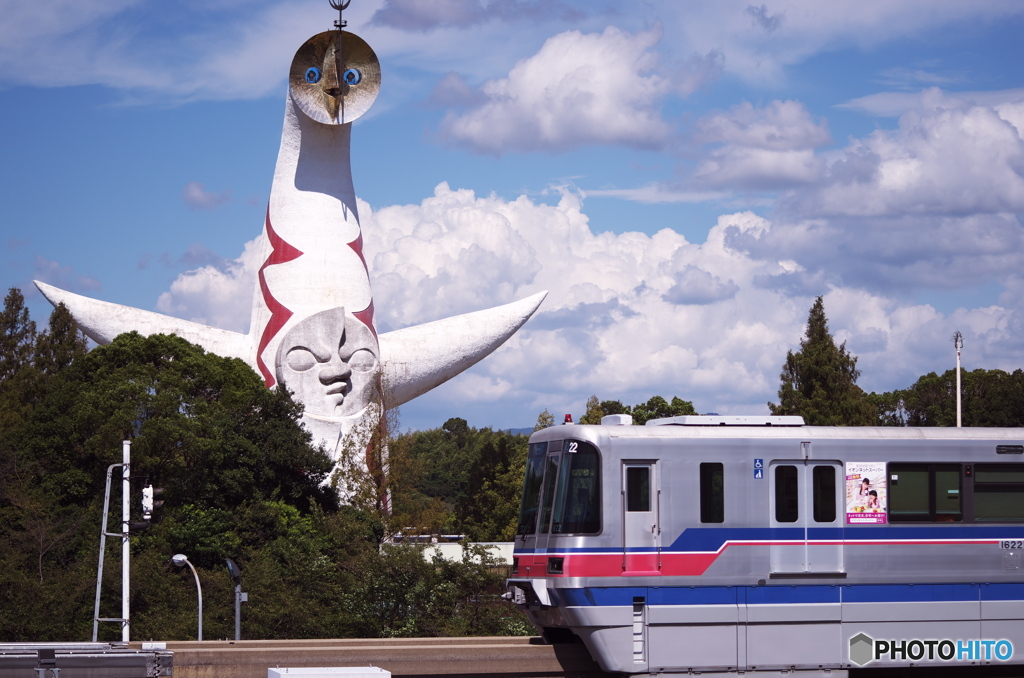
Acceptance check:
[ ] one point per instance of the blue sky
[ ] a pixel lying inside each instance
(683, 177)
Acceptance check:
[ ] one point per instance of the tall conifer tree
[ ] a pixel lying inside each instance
(819, 382)
(17, 337)
(61, 342)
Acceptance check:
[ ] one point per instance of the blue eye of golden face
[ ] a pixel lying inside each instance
(313, 75)
(352, 76)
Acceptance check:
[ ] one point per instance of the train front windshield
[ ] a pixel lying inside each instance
(563, 488)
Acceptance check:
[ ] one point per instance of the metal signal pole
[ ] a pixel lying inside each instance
(126, 491)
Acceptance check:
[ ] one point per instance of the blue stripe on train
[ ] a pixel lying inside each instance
(788, 595)
(712, 538)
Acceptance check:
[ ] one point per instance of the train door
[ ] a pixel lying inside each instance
(641, 517)
(806, 516)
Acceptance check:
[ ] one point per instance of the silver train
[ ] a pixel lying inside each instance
(744, 544)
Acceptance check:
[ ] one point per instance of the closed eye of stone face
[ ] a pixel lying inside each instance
(300, 359)
(362, 361)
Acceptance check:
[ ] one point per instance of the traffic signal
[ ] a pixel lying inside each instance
(151, 500)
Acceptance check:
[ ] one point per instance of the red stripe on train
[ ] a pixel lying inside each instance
(676, 564)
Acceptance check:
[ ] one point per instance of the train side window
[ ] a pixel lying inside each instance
(909, 493)
(712, 492)
(999, 492)
(947, 493)
(787, 494)
(638, 488)
(550, 476)
(824, 486)
(531, 488)
(924, 492)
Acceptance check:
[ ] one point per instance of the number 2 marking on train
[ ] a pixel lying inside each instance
(1015, 544)
(572, 447)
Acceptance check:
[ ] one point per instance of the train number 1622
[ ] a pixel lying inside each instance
(1015, 544)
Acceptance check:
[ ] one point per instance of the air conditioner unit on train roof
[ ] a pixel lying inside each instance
(716, 420)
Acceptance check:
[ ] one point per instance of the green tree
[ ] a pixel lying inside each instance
(60, 344)
(400, 593)
(544, 420)
(658, 408)
(29, 360)
(17, 372)
(17, 337)
(819, 382)
(441, 458)
(458, 479)
(655, 408)
(614, 407)
(594, 411)
(889, 407)
(988, 398)
(203, 427)
(488, 509)
(426, 471)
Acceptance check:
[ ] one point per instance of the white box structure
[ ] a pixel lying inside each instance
(330, 672)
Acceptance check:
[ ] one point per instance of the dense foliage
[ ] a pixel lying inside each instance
(459, 480)
(988, 398)
(240, 480)
(655, 408)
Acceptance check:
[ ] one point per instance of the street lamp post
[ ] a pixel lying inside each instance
(240, 596)
(179, 560)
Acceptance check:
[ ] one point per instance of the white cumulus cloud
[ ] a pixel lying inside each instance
(628, 315)
(220, 296)
(779, 126)
(947, 160)
(580, 88)
(761, 147)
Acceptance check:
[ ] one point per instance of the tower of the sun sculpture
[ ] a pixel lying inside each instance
(312, 325)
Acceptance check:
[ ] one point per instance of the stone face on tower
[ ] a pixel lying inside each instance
(312, 327)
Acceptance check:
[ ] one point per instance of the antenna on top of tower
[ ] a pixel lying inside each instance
(340, 6)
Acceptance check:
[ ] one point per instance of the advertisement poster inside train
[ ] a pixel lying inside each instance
(866, 493)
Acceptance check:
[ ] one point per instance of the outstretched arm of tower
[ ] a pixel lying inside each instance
(416, 359)
(101, 321)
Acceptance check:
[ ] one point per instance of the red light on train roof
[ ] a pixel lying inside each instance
(568, 419)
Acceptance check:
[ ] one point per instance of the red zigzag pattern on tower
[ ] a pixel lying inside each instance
(282, 253)
(366, 315)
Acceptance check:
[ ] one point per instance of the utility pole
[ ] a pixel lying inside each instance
(126, 492)
(125, 534)
(958, 343)
(240, 596)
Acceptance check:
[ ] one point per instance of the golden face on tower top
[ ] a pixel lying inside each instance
(335, 77)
